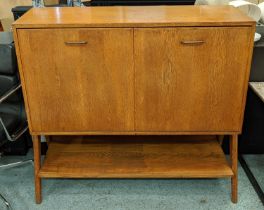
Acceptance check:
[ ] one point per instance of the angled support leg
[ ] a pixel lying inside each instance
(37, 164)
(234, 160)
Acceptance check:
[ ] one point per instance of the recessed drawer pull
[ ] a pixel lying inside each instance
(195, 42)
(76, 43)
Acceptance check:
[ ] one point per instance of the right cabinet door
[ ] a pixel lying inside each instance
(191, 79)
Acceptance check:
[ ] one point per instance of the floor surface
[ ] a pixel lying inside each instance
(17, 185)
(256, 165)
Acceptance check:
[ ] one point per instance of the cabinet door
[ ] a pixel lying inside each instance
(191, 79)
(78, 80)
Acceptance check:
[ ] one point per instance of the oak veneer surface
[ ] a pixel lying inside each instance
(79, 88)
(138, 78)
(191, 87)
(133, 16)
(127, 157)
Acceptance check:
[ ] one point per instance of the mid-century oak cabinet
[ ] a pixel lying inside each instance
(135, 92)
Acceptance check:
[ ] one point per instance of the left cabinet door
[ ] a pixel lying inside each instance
(78, 80)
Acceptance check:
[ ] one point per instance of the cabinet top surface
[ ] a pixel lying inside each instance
(133, 16)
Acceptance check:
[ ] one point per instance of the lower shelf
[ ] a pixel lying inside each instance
(135, 157)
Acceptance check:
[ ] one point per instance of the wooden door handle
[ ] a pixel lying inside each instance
(194, 42)
(76, 43)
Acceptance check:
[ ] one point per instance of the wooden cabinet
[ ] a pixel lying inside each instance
(179, 74)
(112, 79)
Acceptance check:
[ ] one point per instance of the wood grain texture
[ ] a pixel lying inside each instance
(135, 157)
(134, 16)
(82, 87)
(132, 133)
(22, 79)
(37, 166)
(247, 73)
(190, 87)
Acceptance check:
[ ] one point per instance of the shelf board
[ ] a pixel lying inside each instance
(135, 157)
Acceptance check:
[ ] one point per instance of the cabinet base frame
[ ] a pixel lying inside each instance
(233, 165)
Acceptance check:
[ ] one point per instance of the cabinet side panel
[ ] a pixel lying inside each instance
(248, 68)
(20, 68)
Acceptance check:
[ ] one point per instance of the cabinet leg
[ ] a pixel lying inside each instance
(37, 164)
(234, 158)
